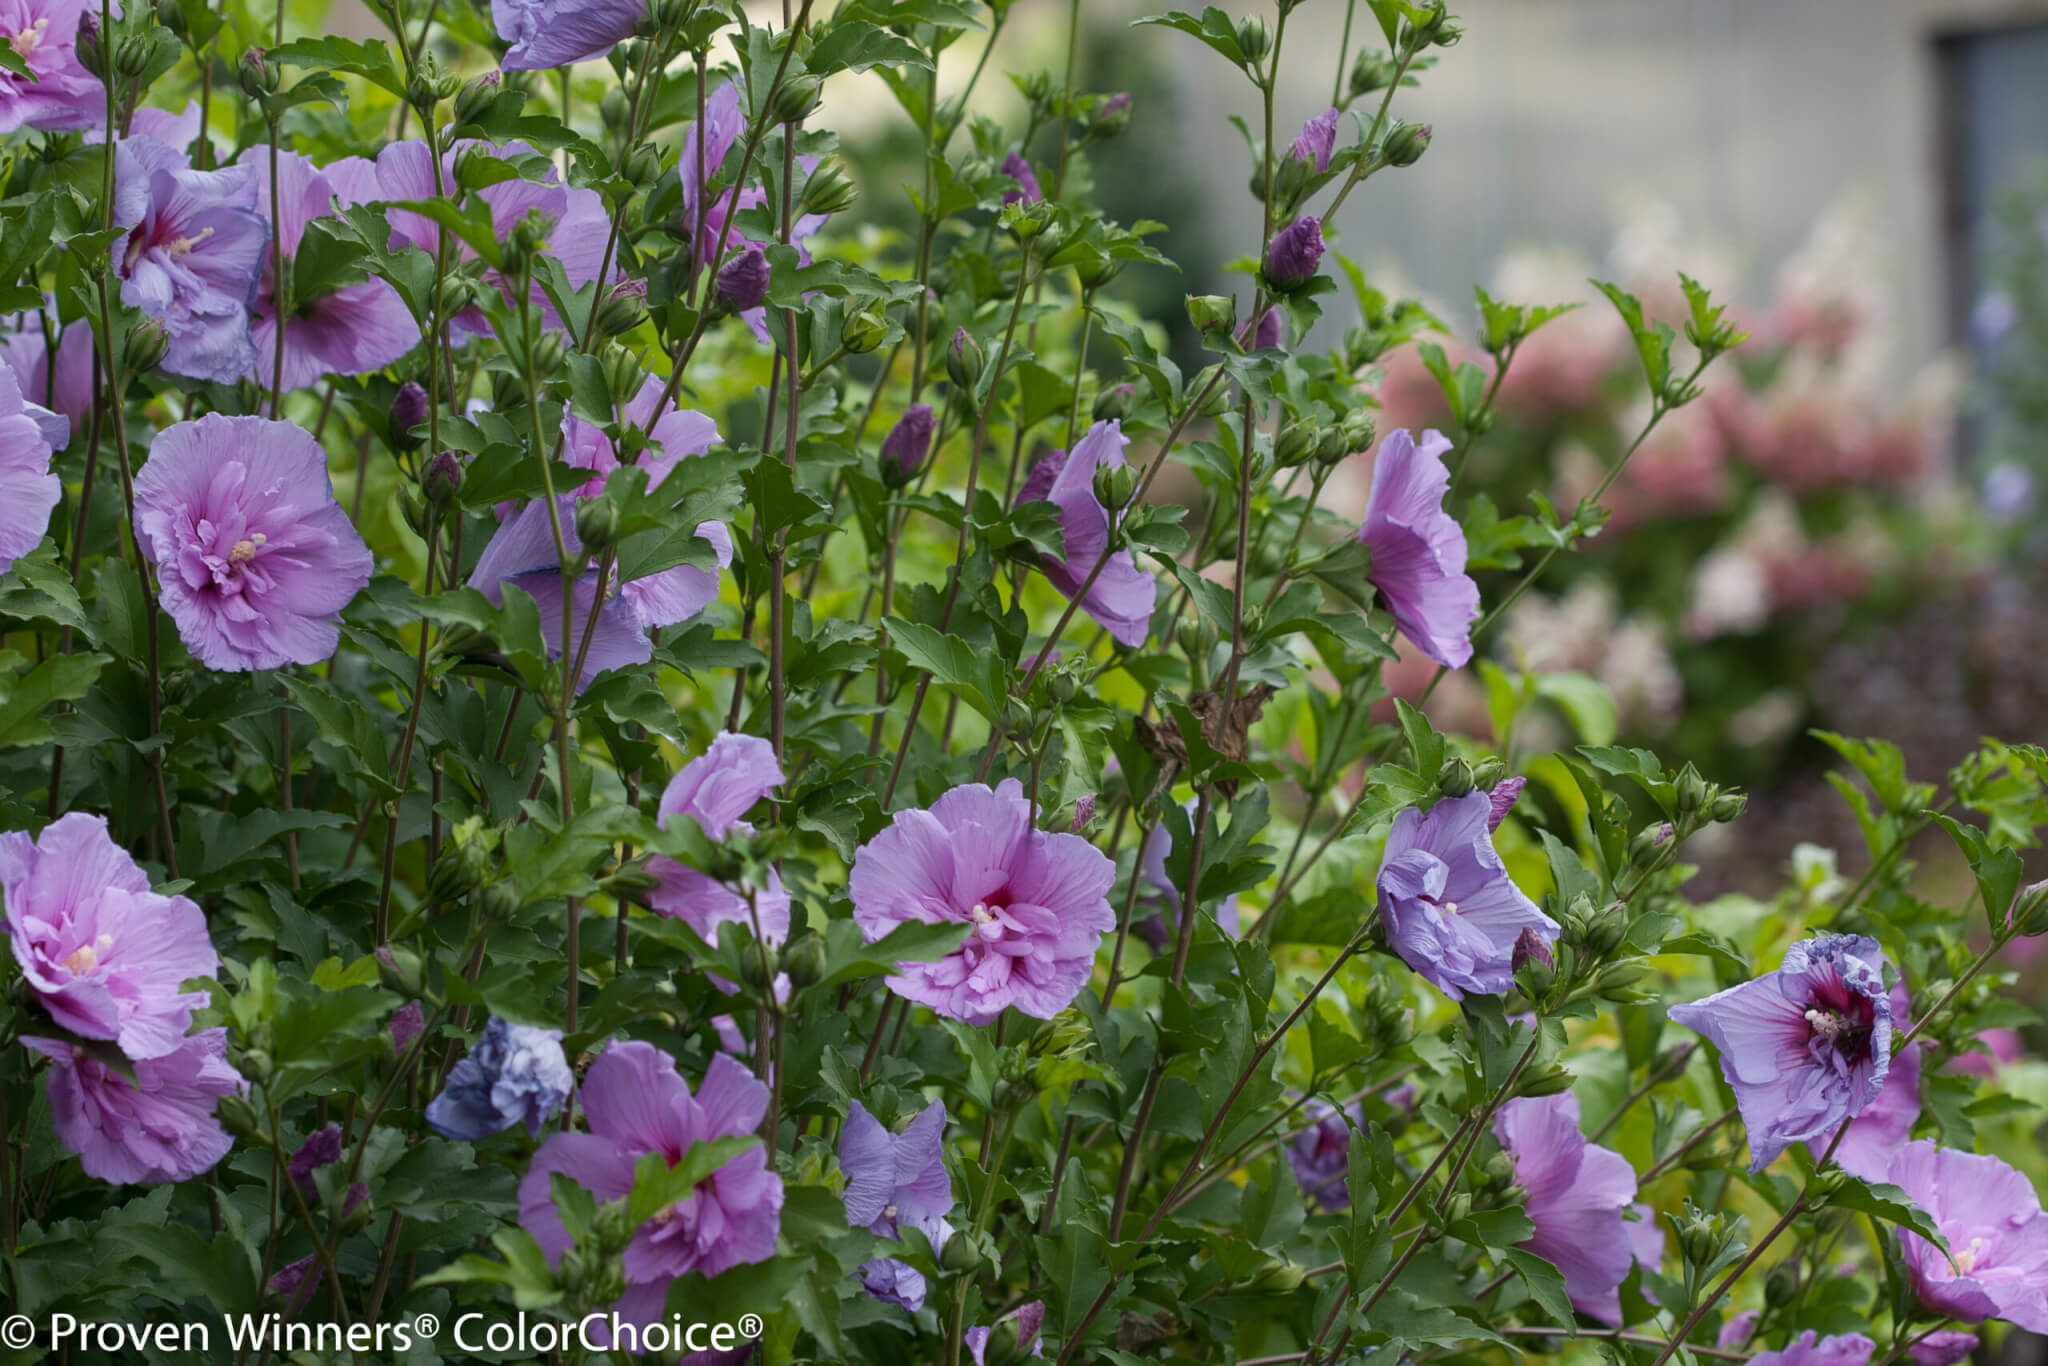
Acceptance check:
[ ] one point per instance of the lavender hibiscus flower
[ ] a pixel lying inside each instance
(1321, 1156)
(158, 1127)
(636, 1104)
(1296, 252)
(895, 1181)
(1037, 901)
(1157, 930)
(716, 789)
(551, 33)
(257, 558)
(191, 255)
(347, 331)
(1418, 549)
(1578, 1192)
(523, 552)
(1810, 1349)
(104, 954)
(1805, 1047)
(59, 93)
(1945, 1348)
(28, 491)
(1021, 1324)
(514, 1073)
(1997, 1236)
(1876, 1135)
(1449, 908)
(57, 378)
(1317, 140)
(1122, 596)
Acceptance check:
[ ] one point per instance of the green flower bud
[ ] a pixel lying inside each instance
(476, 95)
(499, 901)
(1454, 779)
(430, 84)
(1488, 773)
(609, 1230)
(258, 1066)
(462, 867)
(1253, 39)
(1782, 1284)
(829, 190)
(959, 1253)
(1649, 844)
(629, 882)
(259, 75)
(622, 369)
(643, 164)
(671, 15)
(1114, 485)
(597, 524)
(1294, 445)
(1359, 430)
(964, 360)
(1277, 1276)
(1098, 271)
(1693, 792)
(1726, 807)
(804, 960)
(1331, 445)
(865, 330)
(238, 1117)
(796, 99)
(1218, 401)
(1212, 312)
(1405, 144)
(624, 309)
(457, 293)
(614, 109)
(1371, 71)
(1114, 403)
(132, 58)
(143, 348)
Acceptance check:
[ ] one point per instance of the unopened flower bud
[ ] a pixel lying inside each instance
(1114, 403)
(1253, 39)
(623, 372)
(907, 446)
(498, 902)
(796, 99)
(1113, 117)
(1488, 772)
(960, 1253)
(1454, 779)
(804, 960)
(864, 330)
(1531, 948)
(1294, 445)
(1114, 485)
(613, 108)
(259, 75)
(1781, 1285)
(399, 969)
(1649, 843)
(1371, 71)
(549, 351)
(1693, 792)
(624, 309)
(1209, 382)
(430, 84)
(1406, 144)
(476, 95)
(408, 412)
(132, 58)
(597, 524)
(743, 281)
(1331, 445)
(829, 190)
(1097, 271)
(457, 293)
(86, 47)
(1296, 253)
(442, 478)
(1726, 807)
(643, 164)
(1212, 312)
(1277, 1276)
(144, 347)
(964, 360)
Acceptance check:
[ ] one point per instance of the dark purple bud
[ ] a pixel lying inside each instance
(907, 445)
(743, 281)
(408, 410)
(1502, 800)
(1019, 170)
(1268, 332)
(1317, 140)
(407, 1023)
(296, 1282)
(321, 1147)
(1530, 948)
(1084, 813)
(1113, 117)
(1296, 252)
(442, 479)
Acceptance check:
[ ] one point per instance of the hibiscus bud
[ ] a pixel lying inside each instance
(597, 524)
(238, 1117)
(2030, 909)
(609, 1231)
(132, 58)
(1253, 39)
(1331, 445)
(1726, 807)
(507, 391)
(1209, 382)
(549, 352)
(476, 95)
(408, 412)
(907, 445)
(1405, 144)
(1454, 779)
(1212, 312)
(804, 961)
(1371, 71)
(829, 190)
(1277, 1276)
(1555, 1082)
(1084, 816)
(1359, 430)
(1530, 948)
(1294, 445)
(86, 47)
(1113, 117)
(259, 75)
(743, 281)
(144, 347)
(865, 330)
(1498, 1171)
(399, 970)
(573, 1270)
(442, 478)
(1692, 792)
(1460, 1207)
(671, 15)
(622, 369)
(1781, 1285)
(1604, 932)
(613, 108)
(624, 309)
(1114, 403)
(457, 293)
(1114, 485)
(964, 360)
(1296, 253)
(1488, 772)
(796, 99)
(430, 84)
(643, 164)
(1097, 271)
(1648, 845)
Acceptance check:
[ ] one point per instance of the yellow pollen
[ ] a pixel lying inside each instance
(245, 550)
(181, 246)
(981, 914)
(1966, 1260)
(889, 1211)
(29, 39)
(86, 957)
(1450, 908)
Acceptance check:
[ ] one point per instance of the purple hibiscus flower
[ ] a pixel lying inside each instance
(1446, 901)
(1577, 1194)
(893, 1181)
(28, 491)
(1805, 1047)
(580, 224)
(62, 95)
(1997, 1237)
(1321, 1156)
(56, 378)
(1945, 1348)
(1037, 901)
(1646, 1241)
(1418, 549)
(191, 255)
(716, 789)
(1317, 140)
(104, 953)
(515, 1073)
(1122, 596)
(635, 1104)
(158, 1127)
(551, 33)
(348, 331)
(256, 557)
(1810, 1349)
(522, 553)
(1877, 1134)
(1157, 930)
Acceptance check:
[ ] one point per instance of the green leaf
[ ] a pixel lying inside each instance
(23, 699)
(1890, 1204)
(657, 1185)
(369, 59)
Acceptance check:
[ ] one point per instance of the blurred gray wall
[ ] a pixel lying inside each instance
(1750, 117)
